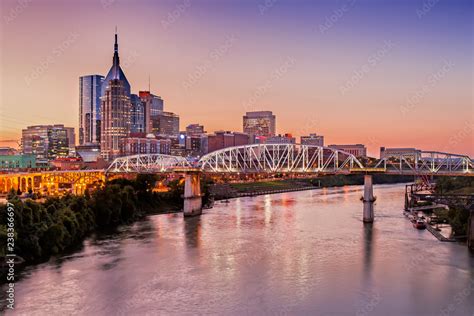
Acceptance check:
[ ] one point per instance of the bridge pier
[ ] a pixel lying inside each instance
(192, 195)
(368, 200)
(470, 231)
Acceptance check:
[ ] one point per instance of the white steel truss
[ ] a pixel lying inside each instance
(427, 163)
(279, 158)
(150, 163)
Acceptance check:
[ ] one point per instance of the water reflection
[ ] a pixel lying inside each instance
(294, 253)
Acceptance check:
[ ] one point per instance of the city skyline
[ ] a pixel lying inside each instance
(215, 78)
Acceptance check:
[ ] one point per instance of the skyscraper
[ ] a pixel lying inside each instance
(138, 120)
(153, 106)
(259, 123)
(89, 109)
(116, 109)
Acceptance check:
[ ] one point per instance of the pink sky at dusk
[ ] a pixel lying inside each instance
(397, 84)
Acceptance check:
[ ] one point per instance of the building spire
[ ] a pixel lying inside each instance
(116, 61)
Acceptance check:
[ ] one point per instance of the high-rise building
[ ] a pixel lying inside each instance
(312, 140)
(166, 124)
(89, 109)
(47, 142)
(260, 123)
(116, 109)
(137, 115)
(153, 106)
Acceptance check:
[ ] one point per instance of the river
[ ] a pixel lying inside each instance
(293, 253)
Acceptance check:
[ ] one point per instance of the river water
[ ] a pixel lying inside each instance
(293, 253)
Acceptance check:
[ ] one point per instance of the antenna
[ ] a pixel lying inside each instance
(149, 90)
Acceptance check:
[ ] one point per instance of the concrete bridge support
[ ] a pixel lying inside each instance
(368, 200)
(192, 195)
(470, 231)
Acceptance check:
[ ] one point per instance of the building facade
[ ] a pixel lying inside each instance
(281, 139)
(260, 123)
(357, 150)
(17, 162)
(89, 108)
(153, 106)
(137, 115)
(166, 124)
(145, 145)
(224, 139)
(312, 140)
(47, 142)
(116, 109)
(195, 130)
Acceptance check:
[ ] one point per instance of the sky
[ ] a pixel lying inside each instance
(394, 73)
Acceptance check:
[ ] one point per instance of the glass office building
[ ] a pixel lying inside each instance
(89, 109)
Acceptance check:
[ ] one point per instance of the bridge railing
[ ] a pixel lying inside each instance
(150, 163)
(274, 158)
(427, 162)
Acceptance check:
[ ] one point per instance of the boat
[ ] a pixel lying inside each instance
(419, 224)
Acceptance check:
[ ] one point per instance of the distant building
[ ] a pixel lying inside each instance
(357, 150)
(223, 139)
(195, 130)
(47, 142)
(281, 139)
(260, 123)
(8, 151)
(17, 162)
(165, 123)
(67, 163)
(386, 152)
(313, 140)
(115, 107)
(145, 145)
(89, 108)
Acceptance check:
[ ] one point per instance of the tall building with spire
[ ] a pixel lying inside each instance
(116, 108)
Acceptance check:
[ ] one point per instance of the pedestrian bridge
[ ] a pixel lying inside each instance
(298, 159)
